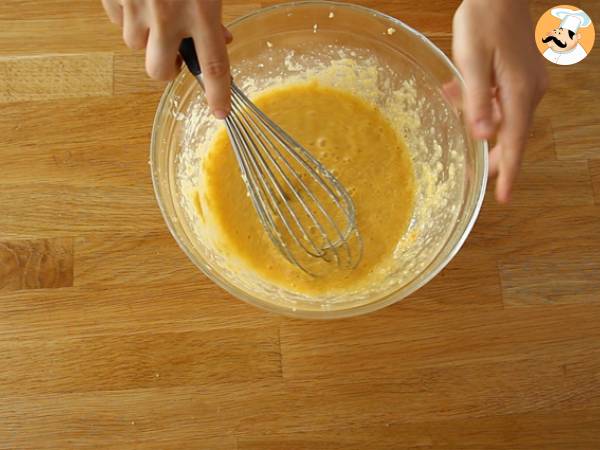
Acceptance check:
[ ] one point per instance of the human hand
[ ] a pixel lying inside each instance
(159, 26)
(505, 79)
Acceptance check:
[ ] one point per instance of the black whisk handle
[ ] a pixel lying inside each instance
(187, 50)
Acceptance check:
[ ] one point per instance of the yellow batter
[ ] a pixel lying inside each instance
(352, 139)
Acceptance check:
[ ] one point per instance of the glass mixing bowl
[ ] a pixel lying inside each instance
(289, 41)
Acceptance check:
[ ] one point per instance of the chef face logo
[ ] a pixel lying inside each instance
(561, 40)
(565, 35)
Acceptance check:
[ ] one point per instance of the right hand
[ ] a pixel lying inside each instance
(505, 78)
(159, 26)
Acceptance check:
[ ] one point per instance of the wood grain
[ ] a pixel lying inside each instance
(130, 75)
(528, 281)
(471, 280)
(50, 9)
(108, 259)
(123, 310)
(126, 119)
(595, 174)
(578, 139)
(513, 231)
(110, 338)
(138, 361)
(575, 430)
(64, 34)
(54, 77)
(36, 264)
(38, 209)
(540, 145)
(398, 343)
(553, 183)
(99, 163)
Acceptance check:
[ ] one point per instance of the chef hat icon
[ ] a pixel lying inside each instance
(572, 19)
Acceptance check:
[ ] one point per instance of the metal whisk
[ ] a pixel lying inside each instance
(304, 209)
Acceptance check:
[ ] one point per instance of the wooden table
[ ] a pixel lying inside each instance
(111, 339)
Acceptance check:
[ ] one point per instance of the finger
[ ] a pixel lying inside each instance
(214, 61)
(114, 11)
(162, 55)
(210, 46)
(453, 94)
(517, 105)
(496, 111)
(477, 72)
(507, 170)
(135, 29)
(494, 160)
(227, 35)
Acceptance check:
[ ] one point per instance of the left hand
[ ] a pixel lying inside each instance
(505, 79)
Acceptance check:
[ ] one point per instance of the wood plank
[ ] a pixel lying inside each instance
(583, 75)
(515, 231)
(131, 77)
(125, 119)
(540, 145)
(195, 443)
(228, 442)
(552, 183)
(471, 280)
(74, 33)
(35, 210)
(552, 279)
(149, 360)
(577, 139)
(139, 418)
(544, 266)
(386, 344)
(62, 34)
(573, 430)
(211, 410)
(595, 174)
(55, 77)
(569, 99)
(66, 9)
(124, 259)
(426, 395)
(538, 7)
(16, 10)
(123, 310)
(100, 164)
(574, 132)
(36, 264)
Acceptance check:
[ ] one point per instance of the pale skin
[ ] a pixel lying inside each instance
(493, 47)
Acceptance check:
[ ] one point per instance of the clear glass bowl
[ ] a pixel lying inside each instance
(287, 41)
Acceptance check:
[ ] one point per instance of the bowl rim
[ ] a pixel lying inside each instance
(323, 314)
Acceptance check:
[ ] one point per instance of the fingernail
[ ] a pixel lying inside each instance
(484, 127)
(220, 114)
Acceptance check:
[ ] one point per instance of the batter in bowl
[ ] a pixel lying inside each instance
(358, 145)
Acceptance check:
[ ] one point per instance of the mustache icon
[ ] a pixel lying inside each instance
(555, 40)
